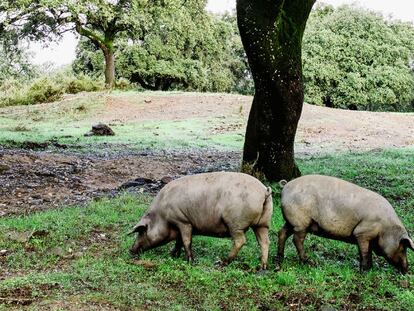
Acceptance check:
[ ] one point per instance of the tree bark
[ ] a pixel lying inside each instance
(271, 32)
(109, 67)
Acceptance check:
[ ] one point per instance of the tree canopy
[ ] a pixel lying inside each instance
(101, 21)
(183, 48)
(357, 59)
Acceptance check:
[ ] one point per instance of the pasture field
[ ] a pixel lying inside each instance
(74, 256)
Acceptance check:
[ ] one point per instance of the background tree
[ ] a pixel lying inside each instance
(101, 21)
(357, 59)
(271, 33)
(182, 48)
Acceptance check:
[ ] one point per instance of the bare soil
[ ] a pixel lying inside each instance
(37, 180)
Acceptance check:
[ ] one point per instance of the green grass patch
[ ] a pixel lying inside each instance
(67, 121)
(84, 257)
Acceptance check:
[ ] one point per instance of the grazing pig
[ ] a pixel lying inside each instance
(337, 209)
(221, 204)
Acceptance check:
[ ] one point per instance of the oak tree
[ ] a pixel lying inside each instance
(271, 32)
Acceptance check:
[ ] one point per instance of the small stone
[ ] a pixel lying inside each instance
(58, 251)
(166, 179)
(40, 233)
(4, 168)
(21, 237)
(405, 284)
(3, 252)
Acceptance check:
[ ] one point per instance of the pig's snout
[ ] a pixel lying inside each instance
(404, 267)
(135, 250)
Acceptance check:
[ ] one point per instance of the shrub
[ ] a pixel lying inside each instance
(13, 93)
(124, 84)
(82, 83)
(44, 90)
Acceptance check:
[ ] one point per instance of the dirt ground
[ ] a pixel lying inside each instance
(37, 180)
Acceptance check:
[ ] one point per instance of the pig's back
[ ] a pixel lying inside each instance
(335, 204)
(204, 200)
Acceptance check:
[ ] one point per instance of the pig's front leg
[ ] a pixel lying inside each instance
(186, 238)
(365, 254)
(239, 239)
(176, 251)
(283, 235)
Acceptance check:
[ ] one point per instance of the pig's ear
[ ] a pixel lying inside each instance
(407, 242)
(142, 226)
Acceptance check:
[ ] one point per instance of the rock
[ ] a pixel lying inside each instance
(58, 251)
(140, 181)
(100, 129)
(147, 100)
(166, 179)
(21, 237)
(40, 233)
(4, 168)
(3, 252)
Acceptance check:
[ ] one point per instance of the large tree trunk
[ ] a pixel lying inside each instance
(271, 32)
(109, 68)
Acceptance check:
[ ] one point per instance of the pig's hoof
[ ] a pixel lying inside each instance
(278, 263)
(175, 254)
(221, 263)
(364, 269)
(307, 262)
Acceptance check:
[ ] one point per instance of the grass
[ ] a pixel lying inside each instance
(92, 266)
(67, 121)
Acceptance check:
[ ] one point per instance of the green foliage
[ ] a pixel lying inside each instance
(47, 88)
(356, 59)
(80, 83)
(181, 48)
(13, 93)
(84, 260)
(15, 62)
(43, 90)
(101, 22)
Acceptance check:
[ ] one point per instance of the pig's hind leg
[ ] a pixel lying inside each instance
(262, 236)
(283, 235)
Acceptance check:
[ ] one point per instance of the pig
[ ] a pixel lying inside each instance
(220, 204)
(337, 209)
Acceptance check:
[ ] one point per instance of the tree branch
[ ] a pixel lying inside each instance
(90, 35)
